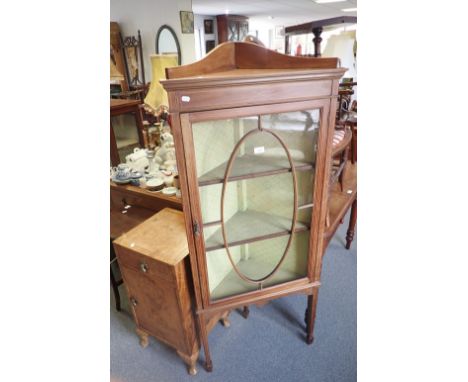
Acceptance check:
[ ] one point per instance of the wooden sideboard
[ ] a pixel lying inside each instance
(122, 195)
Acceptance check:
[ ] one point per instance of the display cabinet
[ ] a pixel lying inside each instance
(232, 27)
(126, 129)
(253, 131)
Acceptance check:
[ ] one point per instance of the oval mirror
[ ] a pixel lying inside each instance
(167, 43)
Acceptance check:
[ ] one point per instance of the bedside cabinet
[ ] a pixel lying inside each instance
(153, 259)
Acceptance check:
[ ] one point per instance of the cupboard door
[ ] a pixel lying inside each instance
(154, 304)
(255, 183)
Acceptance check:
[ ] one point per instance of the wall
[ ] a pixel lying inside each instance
(341, 45)
(148, 16)
(201, 37)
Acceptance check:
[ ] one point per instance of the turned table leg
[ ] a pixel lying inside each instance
(245, 312)
(143, 337)
(352, 224)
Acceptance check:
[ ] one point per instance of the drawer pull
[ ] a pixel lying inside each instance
(144, 267)
(134, 301)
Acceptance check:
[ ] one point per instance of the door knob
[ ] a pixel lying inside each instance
(144, 267)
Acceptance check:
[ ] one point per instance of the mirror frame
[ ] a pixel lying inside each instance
(165, 26)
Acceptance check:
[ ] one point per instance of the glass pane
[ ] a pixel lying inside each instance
(126, 134)
(232, 31)
(251, 153)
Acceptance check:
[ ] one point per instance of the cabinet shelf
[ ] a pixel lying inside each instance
(232, 284)
(251, 166)
(250, 226)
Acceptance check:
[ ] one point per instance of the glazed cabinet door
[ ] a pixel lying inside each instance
(255, 178)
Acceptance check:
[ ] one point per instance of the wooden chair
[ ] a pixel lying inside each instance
(139, 93)
(341, 142)
(347, 114)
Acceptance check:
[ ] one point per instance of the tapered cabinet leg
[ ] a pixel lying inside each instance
(352, 224)
(245, 312)
(204, 339)
(310, 315)
(143, 337)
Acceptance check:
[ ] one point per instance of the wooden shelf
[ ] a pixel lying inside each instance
(232, 284)
(250, 226)
(251, 166)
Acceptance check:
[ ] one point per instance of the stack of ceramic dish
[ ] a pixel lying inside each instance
(154, 184)
(122, 174)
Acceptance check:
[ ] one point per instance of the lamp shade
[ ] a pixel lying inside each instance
(157, 96)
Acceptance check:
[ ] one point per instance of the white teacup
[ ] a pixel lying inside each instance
(123, 171)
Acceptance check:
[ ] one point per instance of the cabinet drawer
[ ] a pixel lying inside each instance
(120, 199)
(144, 265)
(155, 202)
(155, 309)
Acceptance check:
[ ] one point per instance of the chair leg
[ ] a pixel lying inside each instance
(344, 158)
(115, 288)
(352, 224)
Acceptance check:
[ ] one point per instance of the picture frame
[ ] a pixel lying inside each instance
(208, 26)
(279, 31)
(186, 21)
(209, 45)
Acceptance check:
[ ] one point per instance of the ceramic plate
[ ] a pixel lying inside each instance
(136, 175)
(121, 181)
(169, 191)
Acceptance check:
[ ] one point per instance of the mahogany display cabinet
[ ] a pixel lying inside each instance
(232, 27)
(253, 134)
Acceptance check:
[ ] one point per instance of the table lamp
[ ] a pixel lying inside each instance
(156, 99)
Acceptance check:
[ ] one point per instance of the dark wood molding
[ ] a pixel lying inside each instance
(232, 56)
(308, 27)
(316, 28)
